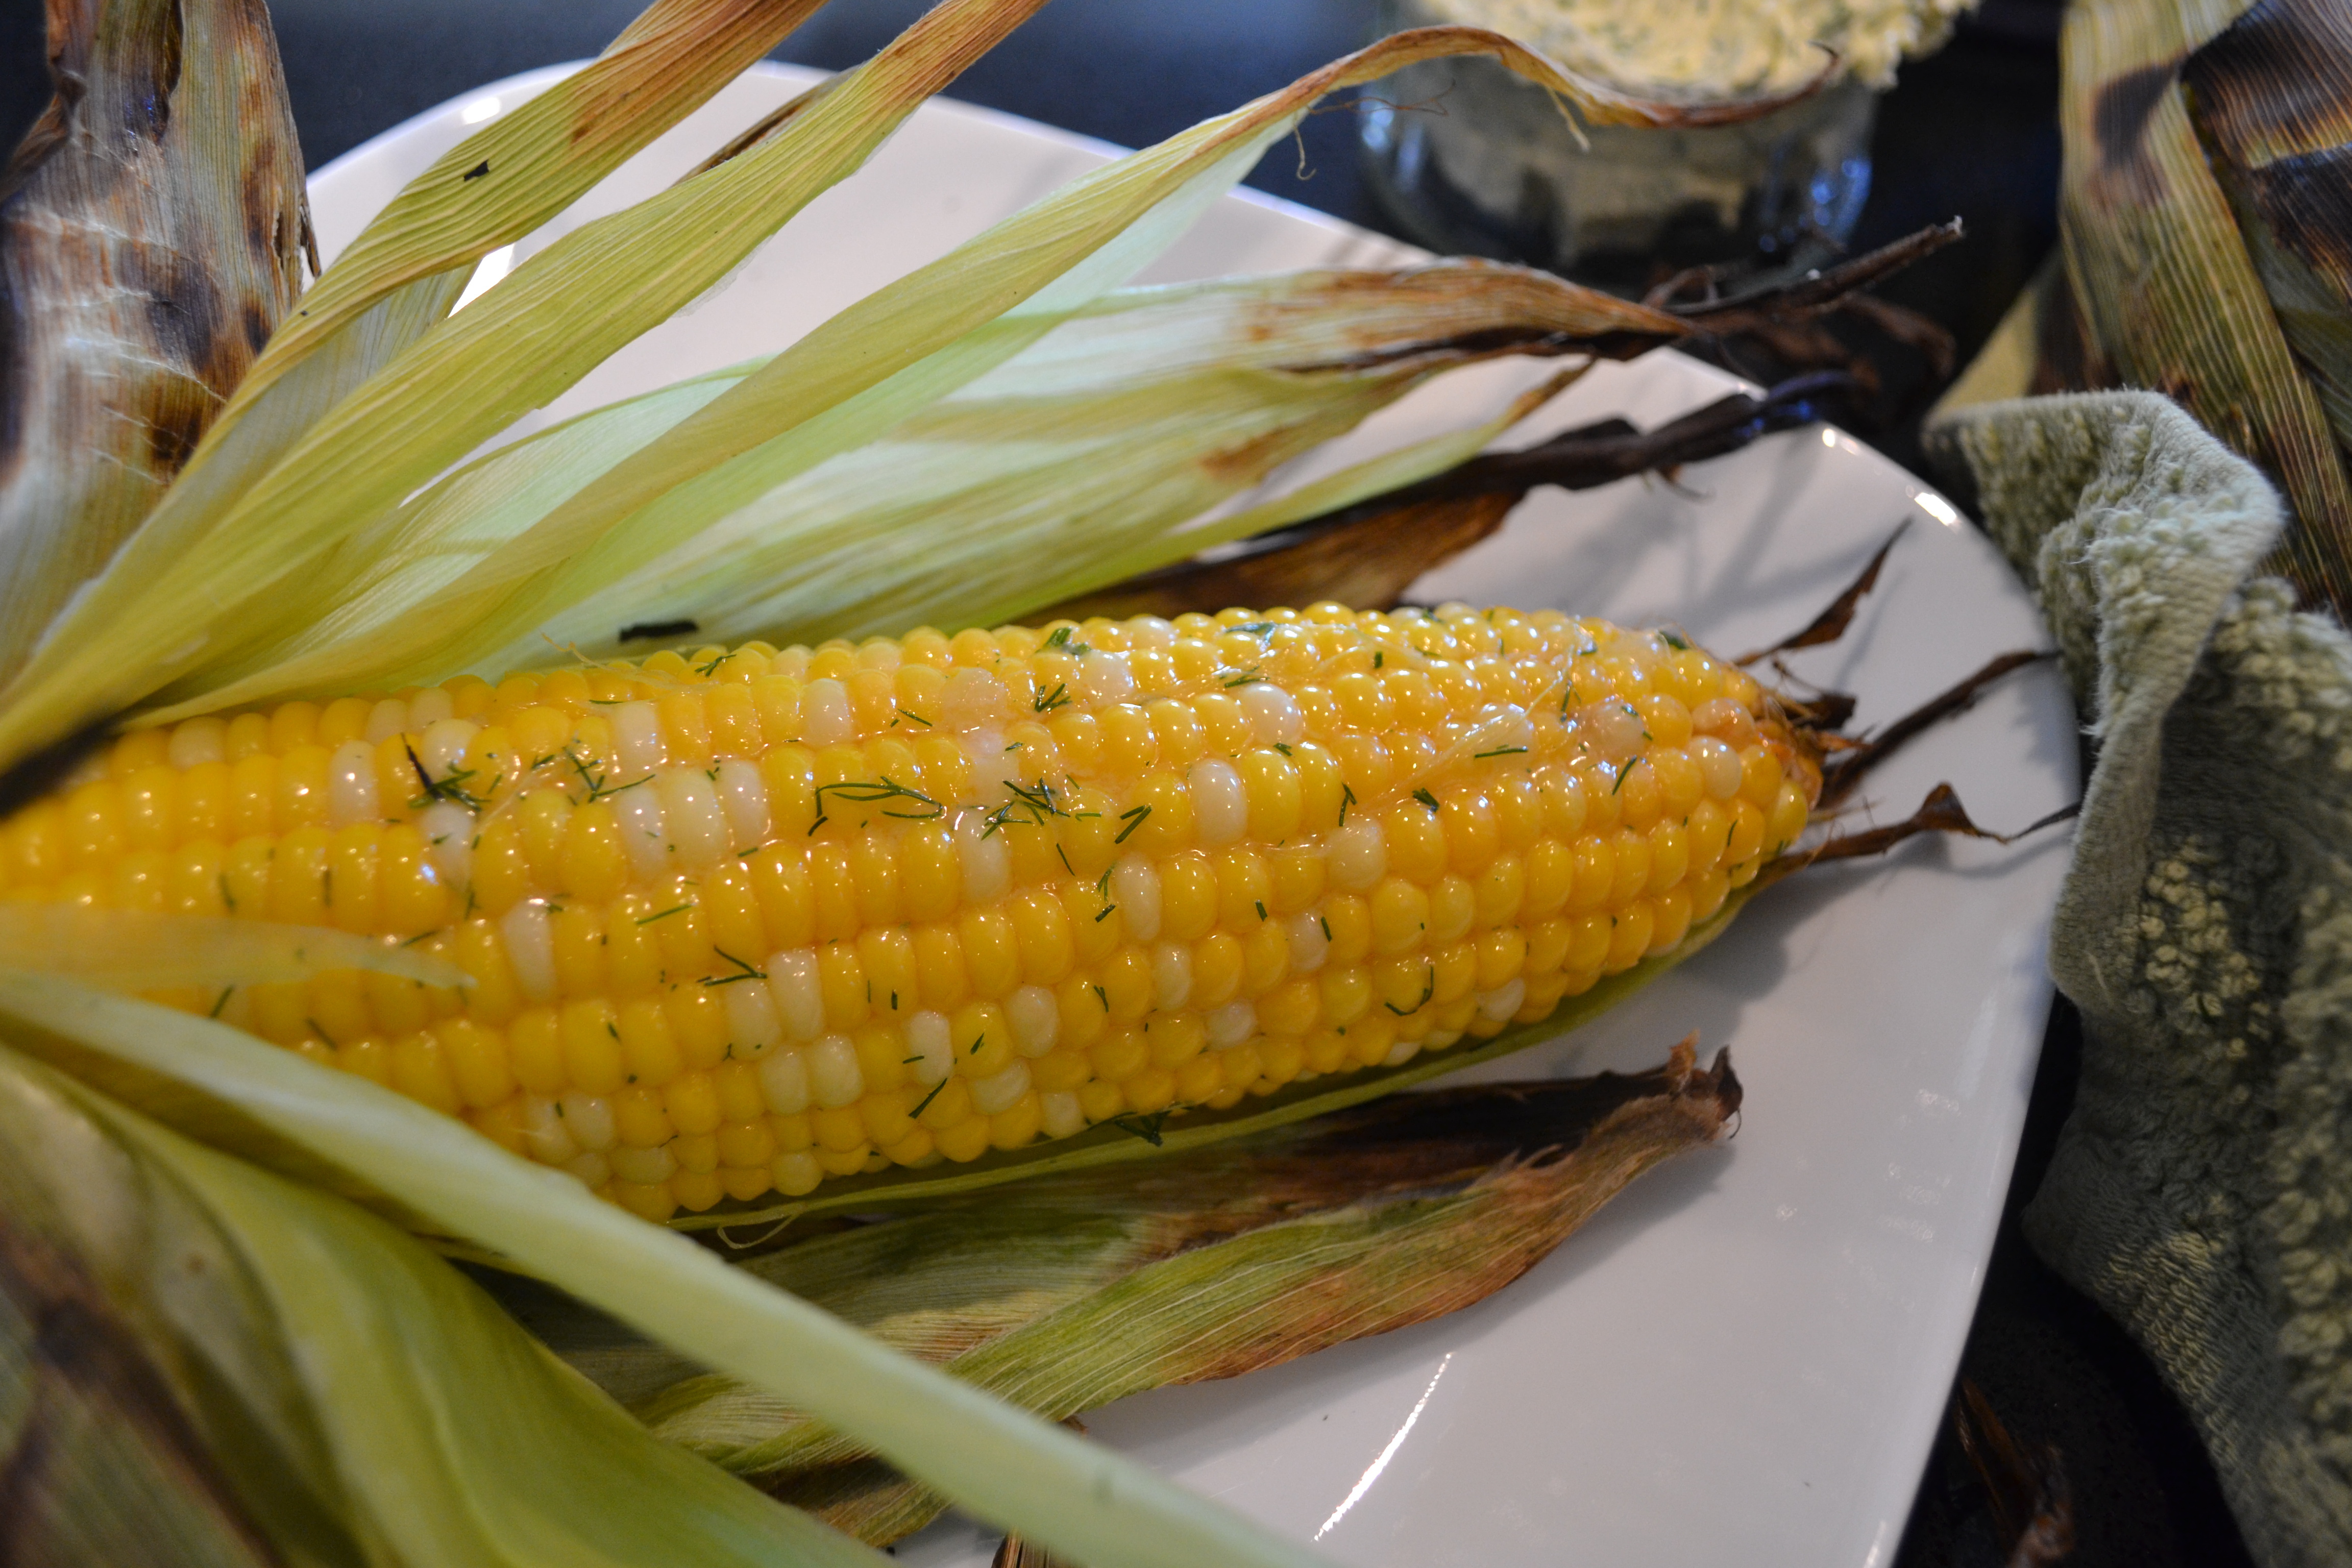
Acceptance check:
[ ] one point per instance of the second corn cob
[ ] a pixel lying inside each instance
(738, 920)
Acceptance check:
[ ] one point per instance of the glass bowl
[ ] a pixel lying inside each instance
(1469, 159)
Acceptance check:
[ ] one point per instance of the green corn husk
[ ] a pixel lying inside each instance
(201, 1364)
(1135, 415)
(164, 609)
(1065, 1293)
(152, 231)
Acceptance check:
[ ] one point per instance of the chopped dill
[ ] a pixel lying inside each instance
(1047, 701)
(221, 1001)
(1428, 989)
(1498, 751)
(1134, 817)
(1347, 799)
(917, 718)
(1672, 641)
(451, 789)
(665, 914)
(1064, 856)
(706, 671)
(925, 1103)
(1147, 1128)
(1627, 768)
(1261, 909)
(318, 1031)
(226, 896)
(744, 970)
(594, 779)
(1325, 921)
(870, 791)
(1425, 798)
(1243, 679)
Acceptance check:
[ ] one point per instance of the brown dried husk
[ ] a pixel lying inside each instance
(2205, 224)
(153, 232)
(2272, 97)
(1065, 1293)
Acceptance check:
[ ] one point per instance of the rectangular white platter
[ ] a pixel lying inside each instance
(1744, 1358)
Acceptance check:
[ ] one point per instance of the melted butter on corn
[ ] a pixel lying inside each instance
(740, 919)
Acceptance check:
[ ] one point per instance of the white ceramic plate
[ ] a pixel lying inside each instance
(1744, 1358)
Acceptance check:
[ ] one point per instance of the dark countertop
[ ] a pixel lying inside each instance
(1970, 131)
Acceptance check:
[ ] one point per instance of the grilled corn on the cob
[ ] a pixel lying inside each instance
(739, 919)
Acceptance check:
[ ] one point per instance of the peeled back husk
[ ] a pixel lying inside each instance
(204, 1366)
(1065, 1293)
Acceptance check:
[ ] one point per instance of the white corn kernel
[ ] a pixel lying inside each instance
(1309, 943)
(784, 1082)
(1063, 1116)
(834, 1077)
(1273, 713)
(529, 940)
(929, 1044)
(743, 795)
(544, 1136)
(1504, 1000)
(1357, 854)
(1134, 888)
(639, 746)
(205, 739)
(448, 830)
(1104, 679)
(796, 1173)
(637, 811)
(1719, 766)
(1036, 1020)
(1232, 1023)
(388, 718)
(999, 1091)
(984, 859)
(443, 746)
(350, 783)
(752, 1028)
(1171, 974)
(696, 828)
(1220, 803)
(792, 985)
(588, 1118)
(825, 717)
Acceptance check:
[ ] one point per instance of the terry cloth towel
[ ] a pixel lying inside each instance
(2202, 1190)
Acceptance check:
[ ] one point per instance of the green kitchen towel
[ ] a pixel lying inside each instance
(2202, 1190)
